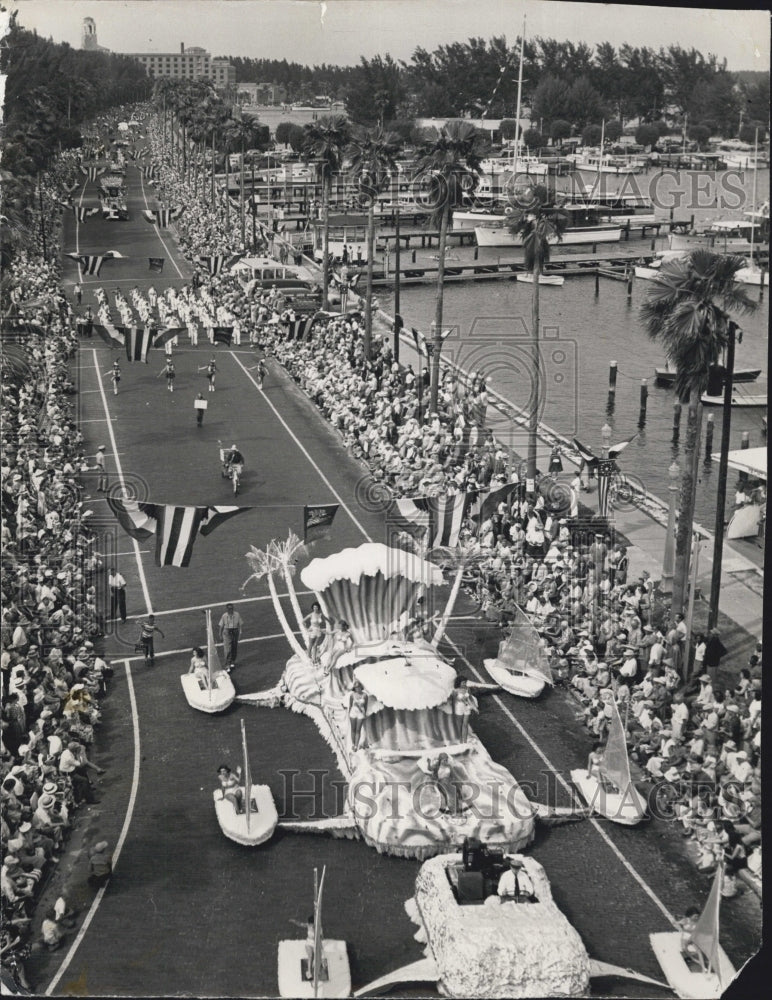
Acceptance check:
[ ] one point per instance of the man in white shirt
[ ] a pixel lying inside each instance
(117, 586)
(515, 884)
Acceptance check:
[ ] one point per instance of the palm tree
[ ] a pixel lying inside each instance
(540, 224)
(687, 310)
(286, 555)
(449, 166)
(239, 132)
(373, 160)
(265, 563)
(457, 559)
(324, 143)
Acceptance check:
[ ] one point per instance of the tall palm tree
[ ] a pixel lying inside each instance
(540, 224)
(239, 133)
(286, 555)
(372, 156)
(265, 563)
(687, 310)
(458, 560)
(449, 167)
(324, 143)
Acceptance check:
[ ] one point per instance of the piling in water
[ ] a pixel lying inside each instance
(676, 421)
(644, 400)
(746, 440)
(709, 428)
(612, 377)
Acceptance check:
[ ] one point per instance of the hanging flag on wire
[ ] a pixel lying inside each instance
(156, 264)
(113, 336)
(92, 263)
(92, 172)
(138, 341)
(164, 336)
(606, 468)
(150, 173)
(443, 516)
(317, 521)
(300, 329)
(175, 527)
(162, 216)
(617, 449)
(215, 263)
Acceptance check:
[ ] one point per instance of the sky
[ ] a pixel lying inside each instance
(340, 31)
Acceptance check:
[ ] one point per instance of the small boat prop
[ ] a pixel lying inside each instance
(215, 692)
(755, 401)
(314, 967)
(695, 965)
(666, 378)
(521, 667)
(255, 820)
(611, 793)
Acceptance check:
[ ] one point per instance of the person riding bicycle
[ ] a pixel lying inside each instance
(232, 460)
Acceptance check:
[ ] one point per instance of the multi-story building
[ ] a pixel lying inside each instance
(188, 64)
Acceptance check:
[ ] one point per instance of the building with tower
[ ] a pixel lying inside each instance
(89, 39)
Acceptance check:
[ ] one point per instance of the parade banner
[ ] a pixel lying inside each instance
(156, 264)
(606, 468)
(222, 335)
(138, 342)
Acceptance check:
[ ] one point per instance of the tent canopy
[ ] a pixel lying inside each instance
(750, 460)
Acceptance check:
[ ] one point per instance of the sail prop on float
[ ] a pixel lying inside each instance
(522, 666)
(255, 822)
(328, 973)
(613, 794)
(370, 587)
(683, 972)
(217, 692)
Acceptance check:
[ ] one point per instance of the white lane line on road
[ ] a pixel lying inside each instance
(537, 749)
(157, 229)
(140, 567)
(203, 607)
(121, 838)
(638, 878)
(96, 420)
(187, 649)
(297, 441)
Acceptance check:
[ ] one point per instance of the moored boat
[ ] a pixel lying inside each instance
(544, 279)
(666, 378)
(753, 401)
(584, 226)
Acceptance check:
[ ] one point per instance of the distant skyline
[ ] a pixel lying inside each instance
(340, 31)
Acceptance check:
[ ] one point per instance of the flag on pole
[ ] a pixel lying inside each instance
(606, 468)
(222, 335)
(317, 520)
(617, 449)
(156, 264)
(585, 454)
(138, 340)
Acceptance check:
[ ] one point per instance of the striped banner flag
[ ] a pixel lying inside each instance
(164, 336)
(222, 334)
(90, 263)
(150, 173)
(161, 216)
(81, 213)
(113, 336)
(138, 341)
(215, 263)
(484, 503)
(606, 468)
(300, 329)
(442, 515)
(585, 454)
(92, 172)
(175, 527)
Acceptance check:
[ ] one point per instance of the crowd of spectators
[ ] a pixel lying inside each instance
(52, 675)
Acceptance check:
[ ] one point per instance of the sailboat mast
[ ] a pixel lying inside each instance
(318, 939)
(755, 179)
(519, 96)
(247, 774)
(210, 650)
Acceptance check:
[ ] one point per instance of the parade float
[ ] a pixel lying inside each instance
(479, 943)
(522, 666)
(419, 781)
(249, 817)
(210, 691)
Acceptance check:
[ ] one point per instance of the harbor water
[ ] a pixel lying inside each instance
(581, 332)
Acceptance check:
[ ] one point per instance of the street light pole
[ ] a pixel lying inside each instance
(668, 561)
